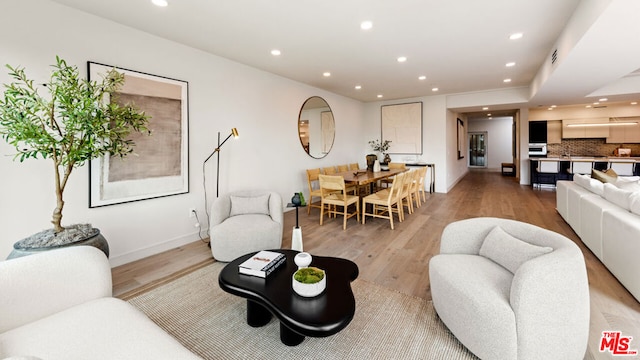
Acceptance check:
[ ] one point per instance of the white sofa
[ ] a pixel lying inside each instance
(511, 290)
(606, 217)
(58, 305)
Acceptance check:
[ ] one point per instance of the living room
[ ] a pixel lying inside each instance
(223, 94)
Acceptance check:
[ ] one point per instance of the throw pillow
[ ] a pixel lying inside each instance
(241, 205)
(509, 251)
(603, 176)
(611, 172)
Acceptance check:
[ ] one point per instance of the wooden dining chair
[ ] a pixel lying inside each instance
(385, 202)
(354, 166)
(334, 195)
(329, 170)
(420, 191)
(392, 165)
(314, 188)
(342, 168)
(406, 193)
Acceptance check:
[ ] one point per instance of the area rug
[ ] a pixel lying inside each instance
(212, 324)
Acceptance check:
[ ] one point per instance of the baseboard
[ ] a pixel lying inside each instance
(153, 250)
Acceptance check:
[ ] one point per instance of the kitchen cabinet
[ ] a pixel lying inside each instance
(554, 132)
(625, 134)
(585, 132)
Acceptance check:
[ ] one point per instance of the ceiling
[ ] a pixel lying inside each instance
(459, 45)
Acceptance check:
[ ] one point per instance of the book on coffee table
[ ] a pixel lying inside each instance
(262, 263)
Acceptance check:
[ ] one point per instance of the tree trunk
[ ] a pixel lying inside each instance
(57, 212)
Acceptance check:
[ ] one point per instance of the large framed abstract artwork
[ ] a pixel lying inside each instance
(402, 125)
(159, 165)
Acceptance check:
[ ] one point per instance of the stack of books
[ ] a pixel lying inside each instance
(262, 263)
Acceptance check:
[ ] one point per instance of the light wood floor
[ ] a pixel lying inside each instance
(398, 259)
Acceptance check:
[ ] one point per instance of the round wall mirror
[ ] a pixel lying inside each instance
(316, 127)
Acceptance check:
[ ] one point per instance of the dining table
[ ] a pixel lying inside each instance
(363, 177)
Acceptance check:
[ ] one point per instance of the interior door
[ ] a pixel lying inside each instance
(478, 149)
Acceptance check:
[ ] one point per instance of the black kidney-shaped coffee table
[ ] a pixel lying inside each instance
(319, 316)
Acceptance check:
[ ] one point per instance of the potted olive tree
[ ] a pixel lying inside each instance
(72, 125)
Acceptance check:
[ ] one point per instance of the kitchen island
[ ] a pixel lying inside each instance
(548, 170)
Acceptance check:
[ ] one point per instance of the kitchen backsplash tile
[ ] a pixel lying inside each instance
(589, 147)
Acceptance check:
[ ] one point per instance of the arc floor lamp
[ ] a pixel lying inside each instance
(234, 133)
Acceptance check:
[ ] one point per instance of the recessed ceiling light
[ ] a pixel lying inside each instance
(554, 106)
(358, 87)
(275, 52)
(402, 59)
(379, 95)
(488, 114)
(435, 89)
(326, 74)
(506, 80)
(510, 64)
(550, 108)
(161, 3)
(588, 106)
(603, 99)
(634, 103)
(422, 77)
(485, 108)
(596, 103)
(515, 36)
(366, 25)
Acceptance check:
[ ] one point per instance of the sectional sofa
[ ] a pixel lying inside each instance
(606, 217)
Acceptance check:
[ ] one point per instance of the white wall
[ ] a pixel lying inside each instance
(223, 94)
(499, 139)
(437, 145)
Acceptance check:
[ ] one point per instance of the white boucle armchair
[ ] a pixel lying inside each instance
(57, 305)
(511, 290)
(244, 222)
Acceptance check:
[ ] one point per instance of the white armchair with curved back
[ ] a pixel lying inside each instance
(511, 290)
(244, 222)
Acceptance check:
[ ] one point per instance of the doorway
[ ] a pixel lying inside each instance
(478, 149)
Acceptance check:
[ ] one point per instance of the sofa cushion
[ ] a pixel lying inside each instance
(596, 187)
(620, 197)
(106, 328)
(241, 205)
(508, 251)
(628, 184)
(605, 177)
(582, 180)
(634, 203)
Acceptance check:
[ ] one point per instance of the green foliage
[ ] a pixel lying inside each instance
(74, 124)
(309, 275)
(381, 146)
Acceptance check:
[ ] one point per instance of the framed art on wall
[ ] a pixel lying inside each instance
(402, 125)
(159, 165)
